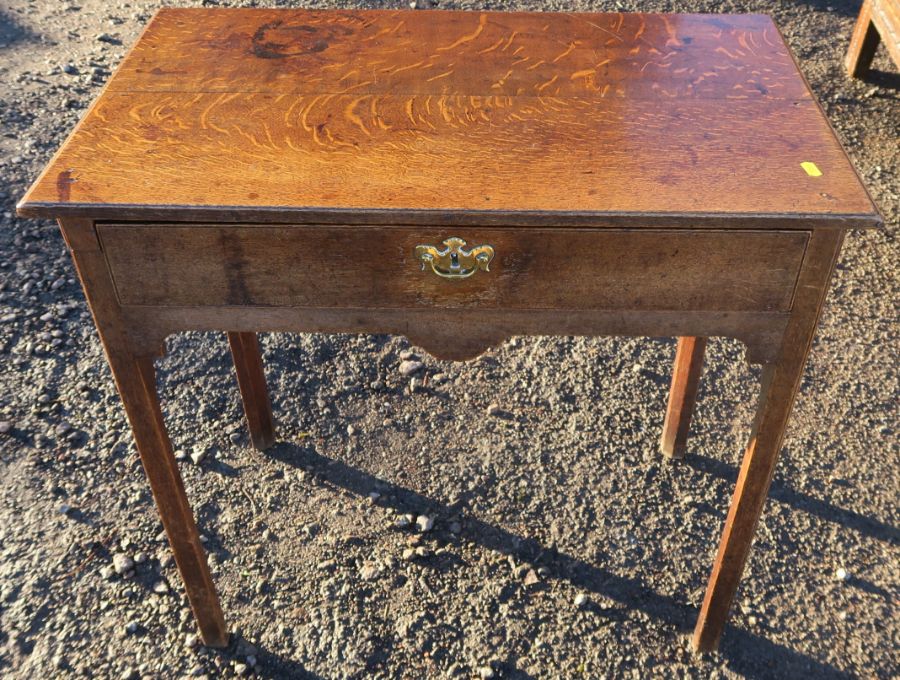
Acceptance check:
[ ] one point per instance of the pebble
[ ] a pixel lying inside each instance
(5, 426)
(424, 523)
(581, 600)
(140, 557)
(198, 454)
(403, 521)
(131, 627)
(531, 578)
(122, 563)
(408, 367)
(241, 669)
(368, 571)
(65, 508)
(485, 672)
(191, 640)
(70, 69)
(494, 410)
(180, 455)
(160, 587)
(841, 574)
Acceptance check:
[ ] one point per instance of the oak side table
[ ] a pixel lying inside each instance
(455, 177)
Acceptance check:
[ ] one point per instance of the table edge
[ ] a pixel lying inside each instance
(445, 216)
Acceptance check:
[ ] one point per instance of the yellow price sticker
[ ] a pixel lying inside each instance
(811, 169)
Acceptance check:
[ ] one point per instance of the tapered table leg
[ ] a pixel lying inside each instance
(252, 383)
(780, 381)
(135, 379)
(682, 396)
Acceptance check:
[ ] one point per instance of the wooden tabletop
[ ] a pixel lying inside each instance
(439, 117)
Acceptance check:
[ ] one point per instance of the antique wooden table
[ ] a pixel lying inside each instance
(455, 177)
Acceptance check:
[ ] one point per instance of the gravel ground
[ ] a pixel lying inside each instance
(562, 545)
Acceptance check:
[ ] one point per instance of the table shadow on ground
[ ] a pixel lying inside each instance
(751, 654)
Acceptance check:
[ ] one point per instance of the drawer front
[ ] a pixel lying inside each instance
(378, 267)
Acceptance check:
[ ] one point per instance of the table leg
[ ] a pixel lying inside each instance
(682, 395)
(135, 379)
(863, 43)
(252, 383)
(780, 381)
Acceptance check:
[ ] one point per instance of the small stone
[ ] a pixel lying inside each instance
(485, 672)
(424, 523)
(198, 454)
(191, 640)
(140, 557)
(408, 367)
(409, 554)
(131, 627)
(531, 578)
(368, 571)
(636, 368)
(407, 354)
(581, 600)
(251, 661)
(841, 574)
(65, 508)
(415, 385)
(129, 674)
(122, 563)
(351, 430)
(5, 427)
(70, 69)
(160, 587)
(241, 669)
(751, 620)
(107, 572)
(180, 455)
(494, 410)
(403, 521)
(439, 378)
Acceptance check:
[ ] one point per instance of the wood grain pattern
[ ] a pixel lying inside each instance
(376, 267)
(682, 396)
(562, 116)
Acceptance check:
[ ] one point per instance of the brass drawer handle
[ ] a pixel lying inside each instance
(454, 261)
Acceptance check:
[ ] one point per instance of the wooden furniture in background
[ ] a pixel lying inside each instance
(878, 21)
(456, 177)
